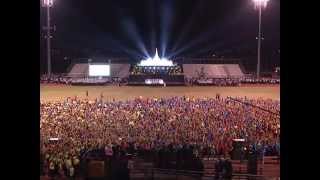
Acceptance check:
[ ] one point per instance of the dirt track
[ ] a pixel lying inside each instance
(59, 92)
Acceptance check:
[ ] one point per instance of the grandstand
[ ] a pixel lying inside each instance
(79, 74)
(218, 74)
(233, 70)
(232, 73)
(120, 70)
(213, 70)
(79, 70)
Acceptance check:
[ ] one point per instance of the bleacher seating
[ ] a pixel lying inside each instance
(79, 70)
(120, 70)
(212, 70)
(234, 70)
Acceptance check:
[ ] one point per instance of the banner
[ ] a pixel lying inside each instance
(154, 81)
(208, 81)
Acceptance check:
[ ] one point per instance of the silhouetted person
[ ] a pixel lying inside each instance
(218, 168)
(218, 96)
(252, 162)
(228, 168)
(123, 172)
(198, 166)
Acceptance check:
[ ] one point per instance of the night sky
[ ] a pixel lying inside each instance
(178, 28)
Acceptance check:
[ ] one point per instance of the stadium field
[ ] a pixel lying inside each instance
(60, 92)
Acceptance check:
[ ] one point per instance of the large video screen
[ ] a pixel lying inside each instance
(99, 70)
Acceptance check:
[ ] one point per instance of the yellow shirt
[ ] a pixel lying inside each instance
(68, 163)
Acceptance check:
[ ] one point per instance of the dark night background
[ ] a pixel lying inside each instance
(178, 28)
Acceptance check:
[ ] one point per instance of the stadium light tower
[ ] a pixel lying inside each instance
(48, 4)
(259, 4)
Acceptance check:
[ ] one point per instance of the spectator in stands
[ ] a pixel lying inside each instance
(184, 124)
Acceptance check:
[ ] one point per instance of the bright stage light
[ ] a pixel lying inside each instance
(156, 61)
(260, 3)
(47, 3)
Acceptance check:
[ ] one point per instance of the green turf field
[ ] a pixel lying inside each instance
(59, 92)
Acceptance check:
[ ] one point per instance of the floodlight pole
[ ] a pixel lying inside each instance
(259, 42)
(48, 40)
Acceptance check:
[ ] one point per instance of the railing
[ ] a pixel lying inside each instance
(246, 103)
(156, 173)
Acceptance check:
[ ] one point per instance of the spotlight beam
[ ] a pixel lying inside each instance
(103, 37)
(229, 22)
(186, 27)
(151, 16)
(131, 30)
(166, 22)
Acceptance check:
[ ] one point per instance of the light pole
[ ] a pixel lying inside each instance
(259, 4)
(48, 4)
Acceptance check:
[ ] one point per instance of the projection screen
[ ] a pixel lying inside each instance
(99, 70)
